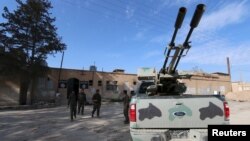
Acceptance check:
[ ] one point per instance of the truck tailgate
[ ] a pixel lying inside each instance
(179, 112)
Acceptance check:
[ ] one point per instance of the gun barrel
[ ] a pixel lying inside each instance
(178, 23)
(179, 51)
(180, 17)
(197, 15)
(194, 23)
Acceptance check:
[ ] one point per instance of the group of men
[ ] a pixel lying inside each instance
(75, 99)
(81, 100)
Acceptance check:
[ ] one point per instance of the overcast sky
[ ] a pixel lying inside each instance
(129, 34)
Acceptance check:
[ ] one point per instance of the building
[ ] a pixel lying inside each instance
(240, 86)
(110, 84)
(204, 83)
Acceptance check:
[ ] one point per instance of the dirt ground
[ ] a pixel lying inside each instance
(239, 112)
(52, 124)
(239, 96)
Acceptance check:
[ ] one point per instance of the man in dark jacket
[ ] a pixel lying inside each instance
(97, 99)
(126, 100)
(72, 102)
(81, 101)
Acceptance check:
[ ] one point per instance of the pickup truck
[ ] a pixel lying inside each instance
(165, 118)
(160, 111)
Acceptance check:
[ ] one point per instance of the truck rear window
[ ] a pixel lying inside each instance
(144, 86)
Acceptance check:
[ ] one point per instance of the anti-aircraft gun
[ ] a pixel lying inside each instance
(158, 111)
(168, 76)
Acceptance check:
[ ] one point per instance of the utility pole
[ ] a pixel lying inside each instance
(82, 71)
(102, 82)
(93, 70)
(93, 78)
(228, 67)
(229, 72)
(82, 83)
(59, 76)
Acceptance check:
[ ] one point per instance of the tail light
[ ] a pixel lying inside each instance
(226, 111)
(132, 113)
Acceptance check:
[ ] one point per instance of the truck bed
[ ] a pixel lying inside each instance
(188, 111)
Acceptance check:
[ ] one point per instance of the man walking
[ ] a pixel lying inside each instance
(96, 103)
(81, 101)
(72, 102)
(126, 101)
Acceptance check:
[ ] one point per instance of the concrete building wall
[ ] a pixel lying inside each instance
(110, 84)
(9, 91)
(208, 84)
(10, 87)
(240, 86)
(240, 91)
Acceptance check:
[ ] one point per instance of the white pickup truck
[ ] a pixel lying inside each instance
(165, 118)
(160, 111)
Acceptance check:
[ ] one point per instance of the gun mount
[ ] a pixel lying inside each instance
(168, 83)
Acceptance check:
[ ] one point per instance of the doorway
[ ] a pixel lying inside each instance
(73, 85)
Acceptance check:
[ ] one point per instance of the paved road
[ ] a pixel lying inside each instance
(52, 124)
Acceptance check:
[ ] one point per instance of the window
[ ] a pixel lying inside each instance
(144, 86)
(84, 84)
(134, 82)
(107, 82)
(99, 83)
(132, 93)
(62, 84)
(111, 87)
(90, 82)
